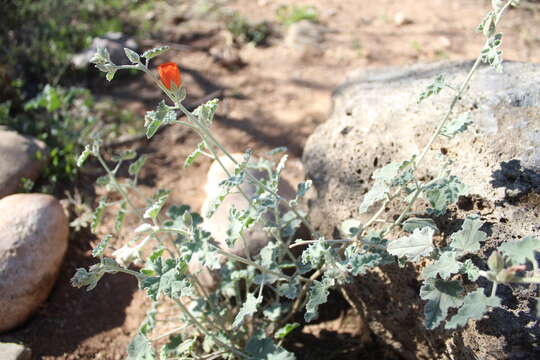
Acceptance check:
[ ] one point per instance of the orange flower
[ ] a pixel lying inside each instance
(169, 72)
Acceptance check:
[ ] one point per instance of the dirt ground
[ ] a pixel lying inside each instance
(271, 96)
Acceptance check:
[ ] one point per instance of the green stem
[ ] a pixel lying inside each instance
(206, 332)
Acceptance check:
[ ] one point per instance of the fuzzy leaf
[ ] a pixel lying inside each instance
(100, 248)
(521, 251)
(445, 266)
(432, 89)
(419, 244)
(442, 192)
(350, 228)
(469, 237)
(154, 119)
(376, 193)
(98, 215)
(205, 112)
(260, 347)
(135, 167)
(302, 189)
(168, 277)
(194, 155)
(84, 155)
(149, 54)
(491, 54)
(471, 270)
(289, 290)
(140, 348)
(441, 296)
(359, 262)
(153, 211)
(318, 294)
(132, 55)
(475, 305)
(458, 125)
(413, 223)
(248, 308)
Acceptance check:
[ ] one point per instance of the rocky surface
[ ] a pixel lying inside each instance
(11, 351)
(33, 241)
(19, 159)
(376, 120)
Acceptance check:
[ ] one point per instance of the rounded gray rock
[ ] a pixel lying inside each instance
(33, 242)
(18, 160)
(376, 120)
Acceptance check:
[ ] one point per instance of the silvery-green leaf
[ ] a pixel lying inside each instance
(100, 248)
(194, 155)
(110, 74)
(205, 112)
(445, 266)
(149, 54)
(350, 228)
(413, 223)
(318, 295)
(140, 348)
(98, 215)
(136, 166)
(84, 155)
(163, 115)
(414, 246)
(519, 252)
(249, 307)
(469, 237)
(132, 55)
(442, 192)
(376, 193)
(457, 125)
(469, 269)
(153, 211)
(433, 88)
(475, 305)
(441, 296)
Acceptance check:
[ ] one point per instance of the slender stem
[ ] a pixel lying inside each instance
(257, 266)
(180, 328)
(206, 332)
(494, 289)
(307, 242)
(118, 187)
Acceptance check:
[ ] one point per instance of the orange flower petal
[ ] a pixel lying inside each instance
(169, 72)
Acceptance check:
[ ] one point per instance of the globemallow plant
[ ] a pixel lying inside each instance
(248, 315)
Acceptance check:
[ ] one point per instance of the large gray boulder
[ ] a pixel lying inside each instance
(20, 157)
(376, 120)
(33, 241)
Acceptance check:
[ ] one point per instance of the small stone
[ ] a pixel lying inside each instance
(11, 351)
(33, 241)
(401, 19)
(19, 159)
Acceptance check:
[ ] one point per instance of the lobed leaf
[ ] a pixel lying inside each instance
(432, 89)
(445, 266)
(475, 305)
(318, 295)
(468, 239)
(249, 307)
(441, 295)
(519, 252)
(419, 244)
(457, 125)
